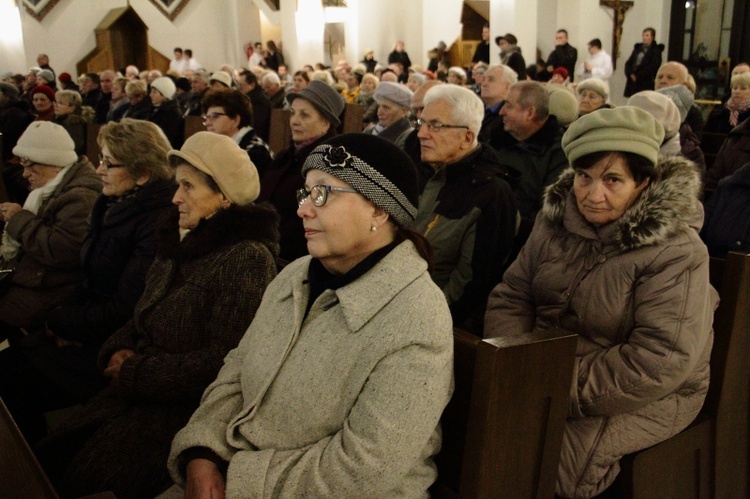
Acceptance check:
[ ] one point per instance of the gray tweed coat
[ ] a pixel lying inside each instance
(343, 402)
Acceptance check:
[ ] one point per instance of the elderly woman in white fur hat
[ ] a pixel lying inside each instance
(165, 111)
(394, 101)
(42, 241)
(214, 258)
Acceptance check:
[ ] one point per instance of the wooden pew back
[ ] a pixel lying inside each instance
(280, 133)
(507, 417)
(193, 125)
(711, 458)
(20, 473)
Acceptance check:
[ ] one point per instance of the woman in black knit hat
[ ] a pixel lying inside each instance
(337, 387)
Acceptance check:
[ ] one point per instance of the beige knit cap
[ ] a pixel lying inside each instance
(624, 129)
(221, 158)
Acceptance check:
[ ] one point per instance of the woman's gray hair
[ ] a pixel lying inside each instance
(466, 107)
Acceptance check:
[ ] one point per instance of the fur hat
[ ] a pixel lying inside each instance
(682, 98)
(46, 143)
(165, 86)
(223, 160)
(624, 129)
(562, 103)
(48, 75)
(222, 77)
(46, 90)
(601, 87)
(394, 92)
(661, 108)
(324, 98)
(375, 168)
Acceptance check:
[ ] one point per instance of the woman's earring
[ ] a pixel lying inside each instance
(374, 228)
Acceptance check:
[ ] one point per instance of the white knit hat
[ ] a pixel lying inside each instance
(46, 143)
(661, 108)
(222, 77)
(165, 86)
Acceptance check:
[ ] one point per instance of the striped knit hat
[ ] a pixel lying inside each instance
(375, 168)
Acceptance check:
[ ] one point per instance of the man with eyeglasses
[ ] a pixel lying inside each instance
(466, 209)
(531, 145)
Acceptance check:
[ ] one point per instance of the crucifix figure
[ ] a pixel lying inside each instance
(620, 8)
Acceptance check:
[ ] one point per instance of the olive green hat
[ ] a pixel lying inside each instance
(623, 129)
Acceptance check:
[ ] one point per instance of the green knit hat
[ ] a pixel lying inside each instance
(623, 129)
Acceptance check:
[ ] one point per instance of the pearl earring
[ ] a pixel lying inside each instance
(374, 228)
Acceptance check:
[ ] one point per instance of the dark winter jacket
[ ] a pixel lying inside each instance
(482, 53)
(261, 112)
(718, 120)
(734, 152)
(539, 159)
(564, 56)
(48, 266)
(401, 57)
(278, 100)
(75, 125)
(259, 152)
(727, 226)
(141, 111)
(513, 58)
(467, 212)
(690, 146)
(279, 187)
(645, 72)
(201, 295)
(15, 116)
(117, 252)
(169, 118)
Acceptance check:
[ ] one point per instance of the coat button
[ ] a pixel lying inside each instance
(566, 295)
(601, 259)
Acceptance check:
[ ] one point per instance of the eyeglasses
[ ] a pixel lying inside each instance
(26, 162)
(107, 164)
(319, 194)
(436, 126)
(212, 116)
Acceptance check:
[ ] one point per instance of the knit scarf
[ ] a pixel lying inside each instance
(34, 201)
(735, 108)
(505, 55)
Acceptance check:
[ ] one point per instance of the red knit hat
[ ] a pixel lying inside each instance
(65, 78)
(561, 71)
(43, 89)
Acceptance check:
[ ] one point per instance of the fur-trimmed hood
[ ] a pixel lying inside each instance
(668, 206)
(254, 222)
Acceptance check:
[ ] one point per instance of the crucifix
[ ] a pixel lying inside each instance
(619, 7)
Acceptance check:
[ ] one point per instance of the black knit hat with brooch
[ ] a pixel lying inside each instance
(375, 168)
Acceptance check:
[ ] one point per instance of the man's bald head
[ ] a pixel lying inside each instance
(670, 74)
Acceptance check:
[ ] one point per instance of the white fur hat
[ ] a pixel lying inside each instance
(165, 86)
(46, 143)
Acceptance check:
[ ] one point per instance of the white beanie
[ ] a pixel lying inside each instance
(222, 77)
(46, 143)
(165, 86)
(661, 108)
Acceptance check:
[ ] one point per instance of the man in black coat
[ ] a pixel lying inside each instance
(643, 64)
(482, 53)
(564, 55)
(261, 105)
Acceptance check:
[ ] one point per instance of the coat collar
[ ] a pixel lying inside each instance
(668, 206)
(362, 299)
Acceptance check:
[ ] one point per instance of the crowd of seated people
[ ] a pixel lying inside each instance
(126, 290)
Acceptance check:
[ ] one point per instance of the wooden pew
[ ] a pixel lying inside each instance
(280, 133)
(92, 147)
(351, 119)
(711, 458)
(503, 429)
(193, 125)
(20, 473)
